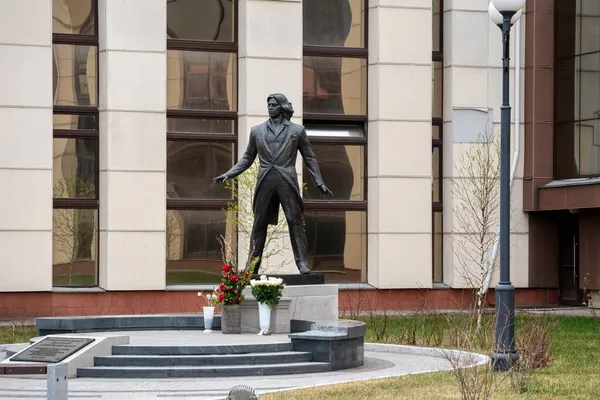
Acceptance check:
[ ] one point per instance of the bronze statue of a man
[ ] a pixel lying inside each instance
(277, 141)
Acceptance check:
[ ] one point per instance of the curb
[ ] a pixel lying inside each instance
(399, 349)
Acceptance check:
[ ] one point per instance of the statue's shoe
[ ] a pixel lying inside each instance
(303, 269)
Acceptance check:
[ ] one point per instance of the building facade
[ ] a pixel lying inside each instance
(118, 114)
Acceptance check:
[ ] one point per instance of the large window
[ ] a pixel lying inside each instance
(577, 89)
(335, 116)
(75, 144)
(437, 142)
(201, 135)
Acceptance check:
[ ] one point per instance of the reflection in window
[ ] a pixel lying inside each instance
(70, 122)
(201, 20)
(73, 17)
(337, 23)
(192, 246)
(334, 85)
(75, 75)
(437, 113)
(74, 168)
(74, 247)
(200, 80)
(437, 19)
(437, 72)
(191, 166)
(577, 88)
(337, 244)
(342, 168)
(438, 247)
(577, 149)
(335, 130)
(200, 126)
(436, 168)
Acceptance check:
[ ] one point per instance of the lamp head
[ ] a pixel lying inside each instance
(508, 5)
(497, 17)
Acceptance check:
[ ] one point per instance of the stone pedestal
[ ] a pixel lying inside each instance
(303, 302)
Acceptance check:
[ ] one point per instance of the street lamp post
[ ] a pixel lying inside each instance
(504, 13)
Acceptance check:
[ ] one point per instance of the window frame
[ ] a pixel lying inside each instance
(204, 205)
(437, 207)
(207, 47)
(78, 203)
(360, 121)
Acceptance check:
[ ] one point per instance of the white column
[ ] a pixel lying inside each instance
(26, 145)
(132, 144)
(270, 61)
(472, 88)
(400, 87)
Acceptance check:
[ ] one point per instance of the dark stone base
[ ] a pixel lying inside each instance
(58, 325)
(297, 279)
(340, 354)
(338, 343)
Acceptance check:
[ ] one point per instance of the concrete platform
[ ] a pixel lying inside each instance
(381, 361)
(190, 338)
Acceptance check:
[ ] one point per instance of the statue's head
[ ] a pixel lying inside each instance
(277, 103)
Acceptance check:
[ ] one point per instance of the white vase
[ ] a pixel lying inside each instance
(208, 314)
(264, 316)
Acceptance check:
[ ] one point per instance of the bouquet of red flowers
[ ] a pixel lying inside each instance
(233, 283)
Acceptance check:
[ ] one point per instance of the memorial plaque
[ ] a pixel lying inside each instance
(52, 349)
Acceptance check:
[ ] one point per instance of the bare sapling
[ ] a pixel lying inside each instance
(477, 210)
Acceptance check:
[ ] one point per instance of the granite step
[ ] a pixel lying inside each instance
(203, 360)
(123, 350)
(203, 372)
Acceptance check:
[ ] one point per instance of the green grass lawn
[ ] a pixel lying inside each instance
(17, 333)
(574, 372)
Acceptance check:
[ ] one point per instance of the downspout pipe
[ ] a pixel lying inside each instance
(517, 146)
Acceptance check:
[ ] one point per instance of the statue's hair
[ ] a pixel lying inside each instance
(288, 110)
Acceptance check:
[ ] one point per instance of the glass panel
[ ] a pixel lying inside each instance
(335, 131)
(436, 186)
(589, 29)
(69, 122)
(564, 154)
(74, 167)
(198, 80)
(73, 16)
(75, 75)
(342, 168)
(191, 167)
(566, 29)
(193, 251)
(437, 76)
(566, 85)
(436, 132)
(437, 16)
(438, 247)
(337, 245)
(588, 72)
(588, 149)
(335, 85)
(75, 247)
(201, 20)
(339, 23)
(200, 126)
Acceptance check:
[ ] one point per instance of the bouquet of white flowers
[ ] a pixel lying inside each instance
(210, 298)
(267, 290)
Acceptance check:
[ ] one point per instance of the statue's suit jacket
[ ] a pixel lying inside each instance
(281, 158)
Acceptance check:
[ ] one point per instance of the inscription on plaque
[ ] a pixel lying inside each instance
(52, 349)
